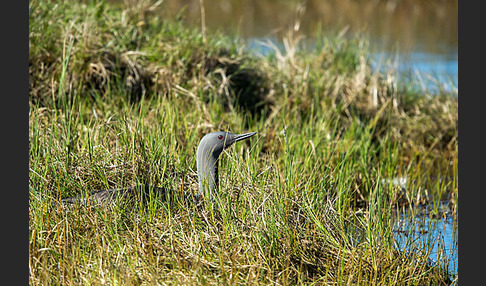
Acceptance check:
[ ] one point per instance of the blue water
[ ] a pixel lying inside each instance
(435, 236)
(431, 72)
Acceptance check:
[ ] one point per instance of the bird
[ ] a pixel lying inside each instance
(207, 159)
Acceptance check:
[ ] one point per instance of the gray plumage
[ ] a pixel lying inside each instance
(129, 196)
(208, 152)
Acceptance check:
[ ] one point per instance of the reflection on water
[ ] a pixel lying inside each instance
(406, 23)
(416, 230)
(424, 34)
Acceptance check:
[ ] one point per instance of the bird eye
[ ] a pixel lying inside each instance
(220, 137)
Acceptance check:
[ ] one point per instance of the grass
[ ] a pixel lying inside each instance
(121, 97)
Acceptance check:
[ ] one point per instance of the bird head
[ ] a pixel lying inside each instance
(208, 153)
(216, 142)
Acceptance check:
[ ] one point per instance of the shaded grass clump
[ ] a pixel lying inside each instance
(138, 65)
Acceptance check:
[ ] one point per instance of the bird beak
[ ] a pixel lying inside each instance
(240, 137)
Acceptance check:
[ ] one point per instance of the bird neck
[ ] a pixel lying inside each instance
(207, 171)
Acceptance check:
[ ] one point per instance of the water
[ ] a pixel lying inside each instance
(422, 36)
(429, 72)
(416, 230)
(430, 229)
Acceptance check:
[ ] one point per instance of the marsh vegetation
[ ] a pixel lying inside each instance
(120, 96)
